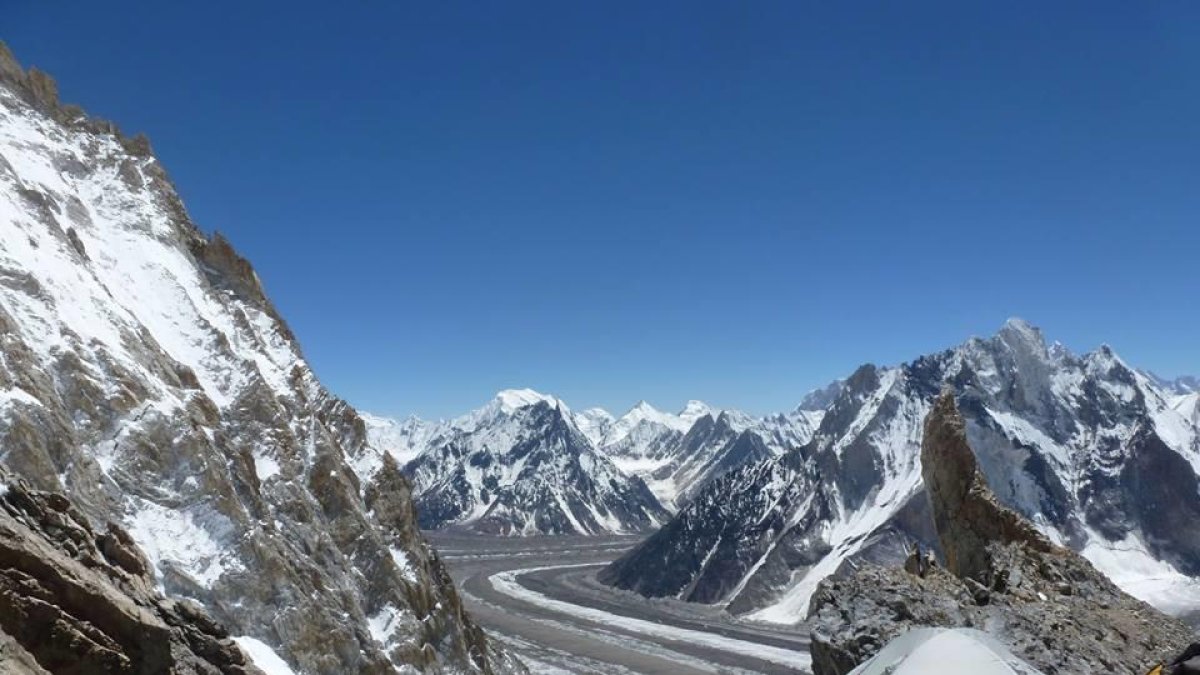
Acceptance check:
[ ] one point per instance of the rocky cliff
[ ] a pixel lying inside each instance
(1046, 602)
(74, 599)
(145, 374)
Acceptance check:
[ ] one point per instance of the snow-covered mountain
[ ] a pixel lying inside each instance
(404, 439)
(1179, 386)
(1095, 453)
(677, 459)
(645, 439)
(676, 454)
(522, 465)
(145, 373)
(594, 423)
(672, 454)
(1188, 407)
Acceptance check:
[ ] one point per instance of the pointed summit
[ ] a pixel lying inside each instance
(966, 513)
(511, 400)
(525, 464)
(1018, 329)
(694, 410)
(1023, 337)
(643, 406)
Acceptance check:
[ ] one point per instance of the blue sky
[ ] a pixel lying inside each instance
(615, 201)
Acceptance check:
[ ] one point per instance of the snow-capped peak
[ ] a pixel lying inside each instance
(526, 464)
(643, 407)
(403, 439)
(598, 414)
(511, 400)
(1059, 352)
(1021, 335)
(694, 410)
(644, 414)
(594, 423)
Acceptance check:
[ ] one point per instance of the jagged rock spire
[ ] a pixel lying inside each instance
(966, 514)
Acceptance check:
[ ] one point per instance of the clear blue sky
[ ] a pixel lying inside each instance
(613, 201)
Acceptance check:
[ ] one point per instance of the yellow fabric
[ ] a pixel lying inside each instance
(1157, 670)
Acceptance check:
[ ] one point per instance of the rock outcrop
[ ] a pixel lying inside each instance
(1046, 602)
(966, 515)
(78, 600)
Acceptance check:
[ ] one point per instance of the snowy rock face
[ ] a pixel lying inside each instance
(144, 373)
(1097, 455)
(522, 465)
(716, 444)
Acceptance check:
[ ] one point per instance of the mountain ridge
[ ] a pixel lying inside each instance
(1074, 442)
(672, 454)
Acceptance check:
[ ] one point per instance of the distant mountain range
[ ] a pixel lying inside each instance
(1101, 456)
(525, 463)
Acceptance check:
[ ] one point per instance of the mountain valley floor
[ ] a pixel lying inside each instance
(539, 597)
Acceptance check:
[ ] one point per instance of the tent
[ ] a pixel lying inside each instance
(944, 651)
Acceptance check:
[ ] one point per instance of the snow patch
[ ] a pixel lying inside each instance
(11, 398)
(170, 536)
(383, 624)
(511, 400)
(263, 656)
(266, 467)
(407, 571)
(1131, 566)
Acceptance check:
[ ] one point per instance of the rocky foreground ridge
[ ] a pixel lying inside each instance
(1001, 575)
(146, 376)
(78, 600)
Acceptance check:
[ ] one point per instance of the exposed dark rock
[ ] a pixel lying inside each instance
(76, 601)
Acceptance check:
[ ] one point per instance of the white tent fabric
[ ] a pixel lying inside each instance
(944, 651)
